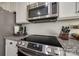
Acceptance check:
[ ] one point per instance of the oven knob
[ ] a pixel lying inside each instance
(47, 50)
(38, 45)
(23, 43)
(19, 42)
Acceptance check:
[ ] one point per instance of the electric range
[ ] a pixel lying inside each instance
(40, 45)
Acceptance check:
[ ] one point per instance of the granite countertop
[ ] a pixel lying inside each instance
(15, 38)
(70, 45)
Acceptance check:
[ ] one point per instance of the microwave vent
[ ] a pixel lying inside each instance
(41, 3)
(35, 5)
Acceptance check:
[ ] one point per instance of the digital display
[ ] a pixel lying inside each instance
(35, 46)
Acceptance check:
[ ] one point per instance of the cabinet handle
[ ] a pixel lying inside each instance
(11, 43)
(76, 7)
(77, 11)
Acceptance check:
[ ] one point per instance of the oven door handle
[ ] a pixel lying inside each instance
(24, 52)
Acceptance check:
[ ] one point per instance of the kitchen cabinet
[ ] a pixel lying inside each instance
(68, 10)
(10, 48)
(21, 12)
(77, 8)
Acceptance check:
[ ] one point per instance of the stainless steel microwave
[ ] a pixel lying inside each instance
(40, 10)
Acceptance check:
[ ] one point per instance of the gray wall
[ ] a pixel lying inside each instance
(52, 28)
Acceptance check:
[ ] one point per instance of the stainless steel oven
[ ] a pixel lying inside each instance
(36, 45)
(31, 49)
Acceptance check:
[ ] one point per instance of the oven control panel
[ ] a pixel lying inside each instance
(40, 48)
(34, 46)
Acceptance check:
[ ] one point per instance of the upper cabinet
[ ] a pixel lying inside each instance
(77, 8)
(9, 6)
(68, 10)
(21, 12)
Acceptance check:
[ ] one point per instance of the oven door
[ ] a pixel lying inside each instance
(27, 52)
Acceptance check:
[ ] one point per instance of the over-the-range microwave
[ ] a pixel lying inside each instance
(41, 10)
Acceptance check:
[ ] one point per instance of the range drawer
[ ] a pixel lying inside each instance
(31, 52)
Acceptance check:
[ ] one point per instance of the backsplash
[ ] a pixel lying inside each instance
(51, 28)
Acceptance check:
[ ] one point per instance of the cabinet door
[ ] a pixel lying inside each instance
(67, 9)
(21, 12)
(11, 49)
(77, 8)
